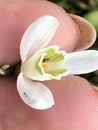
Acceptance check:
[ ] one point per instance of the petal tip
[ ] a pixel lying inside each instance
(36, 95)
(38, 35)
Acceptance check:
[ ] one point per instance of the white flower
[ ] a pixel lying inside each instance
(40, 63)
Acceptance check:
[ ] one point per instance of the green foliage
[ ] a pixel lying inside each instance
(79, 7)
(84, 8)
(92, 16)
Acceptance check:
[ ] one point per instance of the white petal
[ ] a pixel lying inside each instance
(82, 62)
(34, 94)
(37, 36)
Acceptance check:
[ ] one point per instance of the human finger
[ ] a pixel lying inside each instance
(16, 16)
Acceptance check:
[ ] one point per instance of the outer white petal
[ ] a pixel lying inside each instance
(37, 36)
(34, 94)
(82, 62)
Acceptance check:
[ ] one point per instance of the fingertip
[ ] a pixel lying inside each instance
(87, 30)
(76, 102)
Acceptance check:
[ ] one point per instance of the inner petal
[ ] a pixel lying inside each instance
(53, 66)
(56, 69)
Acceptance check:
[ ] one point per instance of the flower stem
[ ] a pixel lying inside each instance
(7, 70)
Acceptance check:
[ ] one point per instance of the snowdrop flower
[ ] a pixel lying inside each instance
(41, 63)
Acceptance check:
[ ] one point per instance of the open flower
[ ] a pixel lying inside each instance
(41, 63)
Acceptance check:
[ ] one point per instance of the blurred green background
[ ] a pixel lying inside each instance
(89, 10)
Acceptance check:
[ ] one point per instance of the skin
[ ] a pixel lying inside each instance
(76, 102)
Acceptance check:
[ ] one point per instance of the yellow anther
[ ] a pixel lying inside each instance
(45, 65)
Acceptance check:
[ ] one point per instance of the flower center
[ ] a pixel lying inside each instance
(45, 65)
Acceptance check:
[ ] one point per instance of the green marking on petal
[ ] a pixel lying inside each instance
(49, 51)
(57, 72)
(38, 66)
(57, 57)
(53, 54)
